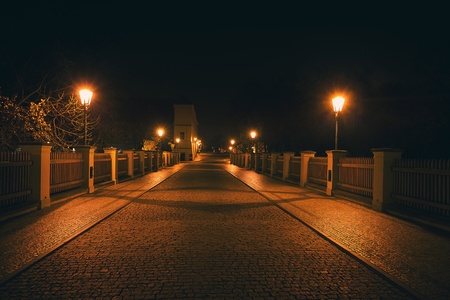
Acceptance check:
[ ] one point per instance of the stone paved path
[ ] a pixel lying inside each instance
(27, 238)
(200, 234)
(407, 252)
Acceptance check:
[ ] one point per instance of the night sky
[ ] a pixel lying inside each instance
(271, 69)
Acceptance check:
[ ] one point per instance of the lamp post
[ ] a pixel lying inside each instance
(338, 103)
(253, 136)
(160, 132)
(86, 97)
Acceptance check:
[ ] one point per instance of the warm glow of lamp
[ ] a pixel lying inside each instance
(160, 132)
(177, 140)
(232, 142)
(253, 134)
(338, 103)
(85, 96)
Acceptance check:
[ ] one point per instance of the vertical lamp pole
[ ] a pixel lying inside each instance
(160, 134)
(86, 97)
(253, 136)
(338, 103)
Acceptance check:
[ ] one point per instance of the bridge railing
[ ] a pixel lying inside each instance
(36, 176)
(384, 181)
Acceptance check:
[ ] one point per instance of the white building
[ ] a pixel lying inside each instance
(186, 130)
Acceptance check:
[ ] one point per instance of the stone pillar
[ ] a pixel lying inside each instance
(247, 157)
(383, 177)
(304, 161)
(256, 160)
(333, 169)
(130, 159)
(141, 162)
(114, 164)
(39, 172)
(273, 164)
(87, 153)
(286, 158)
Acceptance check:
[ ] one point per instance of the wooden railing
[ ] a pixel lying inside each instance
(122, 161)
(356, 175)
(136, 163)
(279, 167)
(423, 185)
(267, 167)
(147, 161)
(65, 171)
(317, 170)
(259, 158)
(14, 178)
(102, 167)
(294, 168)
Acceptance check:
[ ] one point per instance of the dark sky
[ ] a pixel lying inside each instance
(269, 68)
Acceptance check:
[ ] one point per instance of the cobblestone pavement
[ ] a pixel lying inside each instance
(26, 238)
(200, 234)
(405, 251)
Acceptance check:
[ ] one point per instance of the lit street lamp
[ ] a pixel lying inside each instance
(160, 134)
(86, 97)
(338, 103)
(253, 136)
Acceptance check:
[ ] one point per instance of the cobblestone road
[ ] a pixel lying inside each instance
(200, 234)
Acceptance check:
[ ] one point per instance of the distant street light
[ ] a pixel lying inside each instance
(86, 97)
(253, 136)
(160, 132)
(338, 103)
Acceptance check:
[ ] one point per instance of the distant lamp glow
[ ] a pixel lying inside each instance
(86, 97)
(338, 103)
(177, 140)
(160, 133)
(232, 142)
(253, 136)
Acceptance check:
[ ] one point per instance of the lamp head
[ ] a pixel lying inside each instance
(85, 96)
(338, 103)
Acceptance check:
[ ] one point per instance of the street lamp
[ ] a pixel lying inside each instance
(86, 97)
(253, 136)
(160, 132)
(338, 103)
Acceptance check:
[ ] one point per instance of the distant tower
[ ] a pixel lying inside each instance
(186, 129)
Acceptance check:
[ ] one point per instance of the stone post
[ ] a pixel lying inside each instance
(39, 172)
(304, 161)
(87, 153)
(158, 160)
(247, 158)
(273, 164)
(256, 160)
(114, 164)
(286, 158)
(130, 159)
(383, 177)
(333, 169)
(141, 154)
